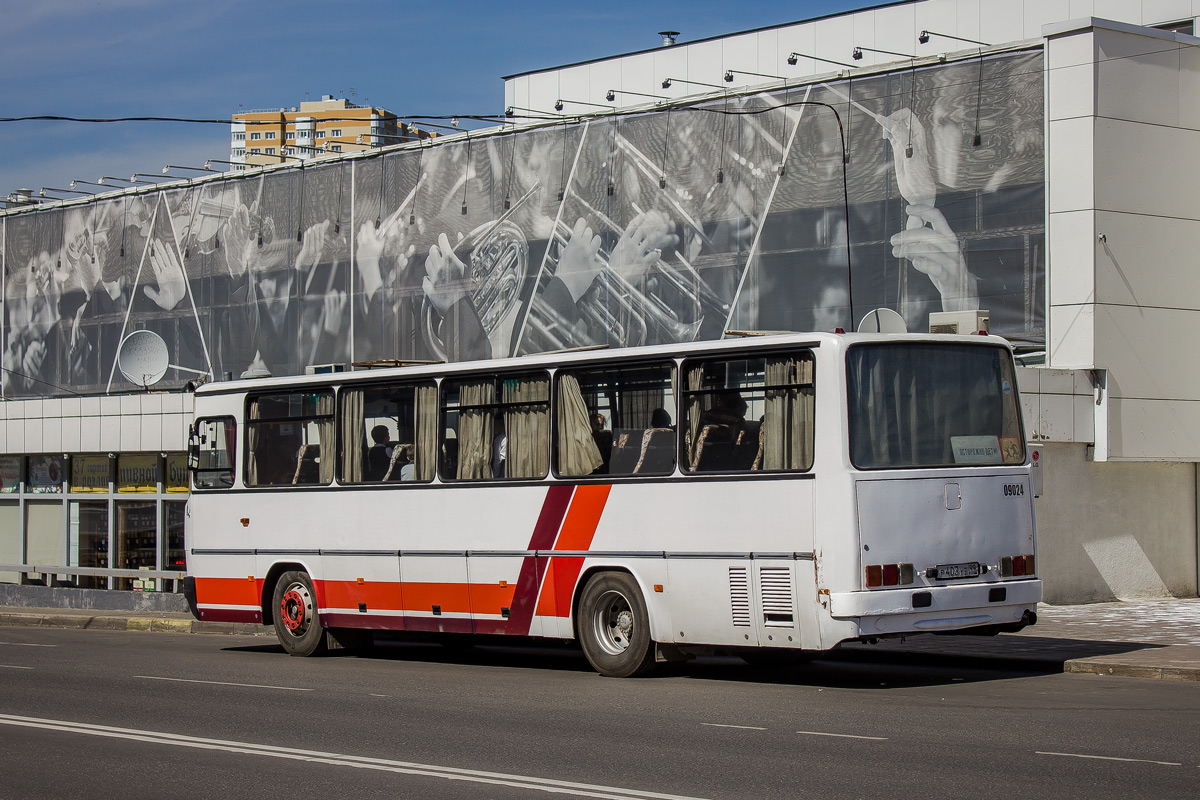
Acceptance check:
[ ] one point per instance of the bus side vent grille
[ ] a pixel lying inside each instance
(776, 586)
(739, 596)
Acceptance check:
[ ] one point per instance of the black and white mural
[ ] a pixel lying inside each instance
(800, 209)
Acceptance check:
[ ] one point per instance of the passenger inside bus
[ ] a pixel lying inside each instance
(379, 457)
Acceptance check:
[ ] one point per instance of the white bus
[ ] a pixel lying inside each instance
(767, 496)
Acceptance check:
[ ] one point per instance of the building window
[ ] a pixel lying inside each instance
(291, 151)
(291, 134)
(337, 148)
(254, 151)
(255, 136)
(270, 134)
(270, 151)
(320, 134)
(239, 151)
(304, 134)
(239, 137)
(336, 132)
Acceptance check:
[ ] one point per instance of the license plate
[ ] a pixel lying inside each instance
(951, 571)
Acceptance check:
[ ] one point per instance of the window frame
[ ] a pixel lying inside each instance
(231, 423)
(498, 378)
(251, 399)
(407, 383)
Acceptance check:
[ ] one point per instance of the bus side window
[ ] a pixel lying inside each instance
(496, 427)
(289, 439)
(387, 433)
(215, 443)
(749, 414)
(615, 420)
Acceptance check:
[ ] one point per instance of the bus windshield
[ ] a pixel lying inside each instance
(932, 405)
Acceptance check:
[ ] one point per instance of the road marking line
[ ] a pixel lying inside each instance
(844, 735)
(222, 683)
(739, 727)
(342, 760)
(12, 666)
(27, 644)
(1110, 758)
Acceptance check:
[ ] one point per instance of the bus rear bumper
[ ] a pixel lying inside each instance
(1005, 605)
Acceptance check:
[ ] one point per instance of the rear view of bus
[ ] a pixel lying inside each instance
(939, 486)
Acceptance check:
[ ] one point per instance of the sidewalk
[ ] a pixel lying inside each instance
(1138, 639)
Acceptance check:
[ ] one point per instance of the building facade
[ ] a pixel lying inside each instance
(1032, 176)
(319, 127)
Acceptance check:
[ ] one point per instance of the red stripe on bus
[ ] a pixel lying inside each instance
(554, 508)
(577, 532)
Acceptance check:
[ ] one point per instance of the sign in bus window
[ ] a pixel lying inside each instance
(749, 414)
(616, 421)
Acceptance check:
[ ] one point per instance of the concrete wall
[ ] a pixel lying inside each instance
(1115, 531)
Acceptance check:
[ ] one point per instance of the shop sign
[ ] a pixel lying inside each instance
(177, 473)
(89, 474)
(137, 473)
(10, 473)
(45, 474)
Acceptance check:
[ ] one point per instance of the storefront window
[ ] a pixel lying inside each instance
(89, 540)
(44, 533)
(175, 479)
(173, 535)
(136, 539)
(137, 473)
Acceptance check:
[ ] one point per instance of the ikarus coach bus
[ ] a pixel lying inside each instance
(768, 496)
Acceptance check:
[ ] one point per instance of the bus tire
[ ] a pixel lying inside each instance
(296, 622)
(614, 627)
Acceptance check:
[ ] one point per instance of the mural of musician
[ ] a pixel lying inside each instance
(796, 209)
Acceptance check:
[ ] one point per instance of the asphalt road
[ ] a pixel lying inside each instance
(107, 714)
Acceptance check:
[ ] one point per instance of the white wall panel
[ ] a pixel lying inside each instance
(1071, 51)
(1081, 9)
(52, 435)
(671, 62)
(1189, 87)
(1069, 165)
(33, 435)
(605, 75)
(703, 62)
(940, 16)
(1147, 261)
(896, 29)
(969, 25)
(1154, 429)
(1001, 21)
(1146, 169)
(1071, 92)
(1070, 337)
(1084, 418)
(770, 60)
(801, 39)
(14, 435)
(1141, 347)
(1139, 87)
(637, 73)
(577, 85)
(1118, 10)
(110, 434)
(89, 434)
(151, 431)
(174, 432)
(835, 39)
(1072, 250)
(1156, 12)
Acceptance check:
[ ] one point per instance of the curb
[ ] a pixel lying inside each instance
(145, 624)
(1084, 667)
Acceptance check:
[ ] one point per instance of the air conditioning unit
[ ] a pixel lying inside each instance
(324, 369)
(964, 322)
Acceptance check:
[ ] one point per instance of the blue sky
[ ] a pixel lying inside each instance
(114, 58)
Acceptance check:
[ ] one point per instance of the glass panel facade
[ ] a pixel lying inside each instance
(44, 533)
(10, 539)
(135, 538)
(174, 557)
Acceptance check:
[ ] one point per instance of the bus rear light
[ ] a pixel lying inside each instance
(889, 575)
(1017, 566)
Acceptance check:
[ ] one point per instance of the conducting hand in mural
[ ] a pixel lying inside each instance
(371, 245)
(932, 247)
(168, 274)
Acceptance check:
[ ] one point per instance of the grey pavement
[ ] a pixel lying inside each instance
(1141, 639)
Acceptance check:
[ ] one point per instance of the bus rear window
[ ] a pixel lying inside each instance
(932, 405)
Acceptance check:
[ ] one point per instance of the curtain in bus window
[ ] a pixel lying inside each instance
(351, 430)
(252, 437)
(695, 405)
(786, 436)
(324, 408)
(577, 450)
(475, 429)
(425, 452)
(527, 425)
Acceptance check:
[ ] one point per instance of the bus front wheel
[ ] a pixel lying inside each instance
(614, 626)
(296, 622)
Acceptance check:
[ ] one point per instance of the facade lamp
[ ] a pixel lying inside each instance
(793, 58)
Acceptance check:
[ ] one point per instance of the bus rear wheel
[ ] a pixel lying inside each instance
(614, 626)
(296, 623)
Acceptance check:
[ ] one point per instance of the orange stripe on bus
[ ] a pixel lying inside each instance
(228, 591)
(578, 530)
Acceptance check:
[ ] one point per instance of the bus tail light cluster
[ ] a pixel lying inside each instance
(1017, 566)
(889, 574)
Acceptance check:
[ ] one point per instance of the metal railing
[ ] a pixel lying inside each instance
(96, 572)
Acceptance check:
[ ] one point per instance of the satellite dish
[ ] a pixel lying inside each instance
(143, 358)
(882, 320)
